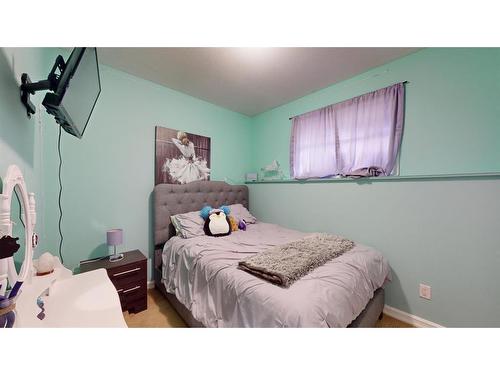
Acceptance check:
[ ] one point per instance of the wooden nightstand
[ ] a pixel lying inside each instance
(129, 276)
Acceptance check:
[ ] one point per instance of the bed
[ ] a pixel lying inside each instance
(200, 278)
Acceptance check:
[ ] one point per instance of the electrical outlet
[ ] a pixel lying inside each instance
(425, 291)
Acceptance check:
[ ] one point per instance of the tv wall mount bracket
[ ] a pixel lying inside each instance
(29, 88)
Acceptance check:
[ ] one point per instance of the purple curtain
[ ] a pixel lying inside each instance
(357, 137)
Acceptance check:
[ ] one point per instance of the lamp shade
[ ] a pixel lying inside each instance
(114, 237)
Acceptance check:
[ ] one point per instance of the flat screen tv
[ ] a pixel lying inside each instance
(76, 92)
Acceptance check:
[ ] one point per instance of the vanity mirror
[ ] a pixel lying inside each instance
(12, 278)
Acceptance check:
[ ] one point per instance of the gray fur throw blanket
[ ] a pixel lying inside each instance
(285, 264)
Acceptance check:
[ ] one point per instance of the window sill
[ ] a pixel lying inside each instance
(458, 176)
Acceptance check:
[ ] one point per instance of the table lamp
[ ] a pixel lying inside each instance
(114, 238)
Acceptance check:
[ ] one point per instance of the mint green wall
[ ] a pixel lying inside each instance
(444, 233)
(20, 137)
(108, 175)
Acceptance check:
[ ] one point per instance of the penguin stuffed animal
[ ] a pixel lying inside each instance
(217, 222)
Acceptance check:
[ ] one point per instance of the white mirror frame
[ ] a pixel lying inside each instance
(14, 179)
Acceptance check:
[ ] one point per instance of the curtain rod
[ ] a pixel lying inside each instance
(291, 118)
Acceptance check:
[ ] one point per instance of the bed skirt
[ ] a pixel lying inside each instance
(366, 319)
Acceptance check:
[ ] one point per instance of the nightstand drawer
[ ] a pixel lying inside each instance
(133, 296)
(132, 291)
(127, 273)
(125, 282)
(137, 305)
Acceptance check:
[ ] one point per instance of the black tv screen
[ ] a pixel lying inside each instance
(79, 86)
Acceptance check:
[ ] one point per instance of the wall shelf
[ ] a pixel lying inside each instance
(364, 180)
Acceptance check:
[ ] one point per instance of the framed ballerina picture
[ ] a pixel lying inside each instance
(181, 157)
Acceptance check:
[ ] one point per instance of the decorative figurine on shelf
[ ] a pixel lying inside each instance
(272, 172)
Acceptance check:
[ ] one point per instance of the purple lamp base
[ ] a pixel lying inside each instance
(115, 257)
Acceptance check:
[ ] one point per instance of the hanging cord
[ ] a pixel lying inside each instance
(61, 237)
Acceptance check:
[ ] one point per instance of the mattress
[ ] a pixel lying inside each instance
(202, 273)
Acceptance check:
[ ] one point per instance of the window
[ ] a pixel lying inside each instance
(357, 137)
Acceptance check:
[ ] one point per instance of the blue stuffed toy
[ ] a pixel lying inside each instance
(217, 222)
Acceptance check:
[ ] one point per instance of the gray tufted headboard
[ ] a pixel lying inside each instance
(172, 199)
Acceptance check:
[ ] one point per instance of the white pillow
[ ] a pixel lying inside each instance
(240, 212)
(188, 225)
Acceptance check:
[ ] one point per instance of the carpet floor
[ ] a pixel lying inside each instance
(160, 314)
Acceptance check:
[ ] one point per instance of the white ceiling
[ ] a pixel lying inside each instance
(248, 80)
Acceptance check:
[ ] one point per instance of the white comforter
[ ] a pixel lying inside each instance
(202, 272)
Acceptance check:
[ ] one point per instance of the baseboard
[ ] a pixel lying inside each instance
(151, 284)
(409, 318)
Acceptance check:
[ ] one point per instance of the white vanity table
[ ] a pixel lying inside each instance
(85, 300)
(73, 301)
